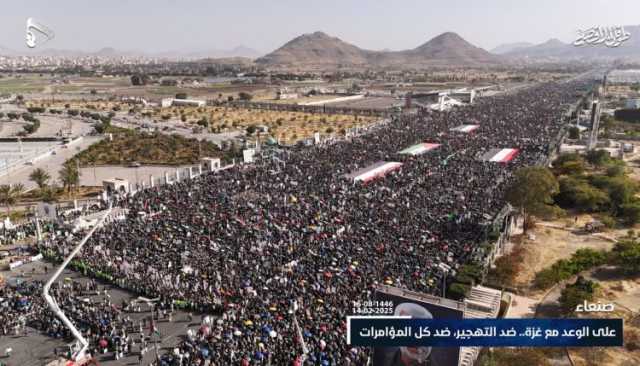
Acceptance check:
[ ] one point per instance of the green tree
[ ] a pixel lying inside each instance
(573, 167)
(10, 194)
(69, 176)
(626, 255)
(469, 274)
(621, 190)
(577, 293)
(581, 260)
(40, 177)
(245, 96)
(532, 191)
(630, 213)
(458, 291)
(574, 133)
(598, 157)
(578, 193)
(507, 268)
(562, 158)
(49, 194)
(616, 170)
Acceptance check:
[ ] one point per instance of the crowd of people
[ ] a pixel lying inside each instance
(115, 330)
(281, 249)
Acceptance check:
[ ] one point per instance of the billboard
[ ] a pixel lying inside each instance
(406, 303)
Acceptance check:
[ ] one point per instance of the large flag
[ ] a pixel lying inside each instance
(374, 171)
(465, 128)
(418, 149)
(500, 155)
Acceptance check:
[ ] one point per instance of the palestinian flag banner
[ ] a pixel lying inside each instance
(374, 171)
(500, 155)
(465, 128)
(418, 149)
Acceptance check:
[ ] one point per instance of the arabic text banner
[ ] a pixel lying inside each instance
(396, 332)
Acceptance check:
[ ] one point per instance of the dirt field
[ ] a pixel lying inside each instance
(286, 126)
(548, 245)
(614, 291)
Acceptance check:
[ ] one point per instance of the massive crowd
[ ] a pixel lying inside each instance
(281, 249)
(115, 330)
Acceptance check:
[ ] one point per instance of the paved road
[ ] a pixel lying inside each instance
(36, 349)
(174, 127)
(50, 126)
(51, 164)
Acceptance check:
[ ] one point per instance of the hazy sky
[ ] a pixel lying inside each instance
(161, 25)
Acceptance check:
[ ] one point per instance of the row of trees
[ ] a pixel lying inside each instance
(625, 256)
(598, 184)
(69, 176)
(16, 116)
(27, 117)
(595, 183)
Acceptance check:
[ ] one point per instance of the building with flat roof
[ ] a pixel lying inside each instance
(172, 102)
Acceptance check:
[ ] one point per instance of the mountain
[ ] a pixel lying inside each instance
(510, 47)
(315, 49)
(110, 52)
(451, 48)
(557, 50)
(321, 50)
(239, 51)
(551, 48)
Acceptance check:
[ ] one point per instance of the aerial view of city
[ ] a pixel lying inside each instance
(359, 183)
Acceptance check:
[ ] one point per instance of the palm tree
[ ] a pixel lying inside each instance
(40, 177)
(49, 194)
(9, 195)
(92, 160)
(69, 176)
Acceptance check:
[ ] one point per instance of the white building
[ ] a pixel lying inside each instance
(172, 102)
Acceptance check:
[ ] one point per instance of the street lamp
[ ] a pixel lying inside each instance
(53, 305)
(445, 271)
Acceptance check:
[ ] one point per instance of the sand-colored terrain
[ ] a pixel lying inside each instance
(547, 244)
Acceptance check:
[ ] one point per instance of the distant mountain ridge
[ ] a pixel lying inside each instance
(239, 51)
(320, 49)
(509, 47)
(555, 49)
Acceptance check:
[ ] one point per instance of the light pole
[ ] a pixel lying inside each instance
(53, 305)
(445, 271)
